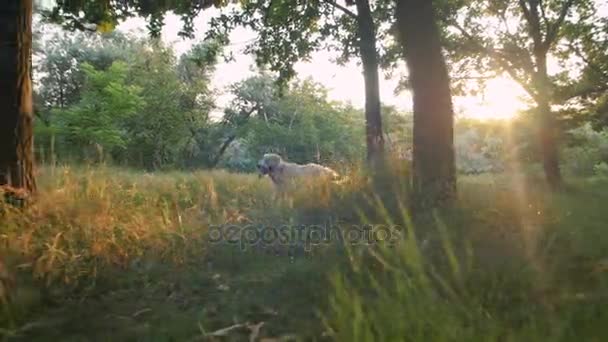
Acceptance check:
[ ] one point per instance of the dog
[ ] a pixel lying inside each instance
(282, 173)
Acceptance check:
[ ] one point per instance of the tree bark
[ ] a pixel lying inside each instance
(547, 130)
(434, 174)
(16, 109)
(369, 58)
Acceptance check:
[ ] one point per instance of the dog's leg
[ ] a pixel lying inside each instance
(279, 190)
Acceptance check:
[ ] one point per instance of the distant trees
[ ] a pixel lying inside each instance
(481, 147)
(587, 152)
(301, 124)
(142, 106)
(290, 31)
(139, 103)
(178, 102)
(96, 121)
(16, 104)
(58, 60)
(585, 97)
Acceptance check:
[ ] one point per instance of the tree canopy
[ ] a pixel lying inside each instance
(104, 15)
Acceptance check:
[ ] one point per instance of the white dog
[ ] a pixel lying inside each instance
(281, 172)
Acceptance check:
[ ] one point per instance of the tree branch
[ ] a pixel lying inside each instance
(588, 62)
(532, 17)
(522, 82)
(466, 78)
(554, 29)
(499, 58)
(543, 14)
(342, 8)
(588, 91)
(78, 24)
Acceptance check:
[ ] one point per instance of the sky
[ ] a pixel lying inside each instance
(503, 98)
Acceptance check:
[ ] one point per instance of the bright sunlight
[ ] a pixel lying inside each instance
(502, 99)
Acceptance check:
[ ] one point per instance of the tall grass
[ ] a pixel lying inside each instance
(86, 219)
(510, 262)
(476, 273)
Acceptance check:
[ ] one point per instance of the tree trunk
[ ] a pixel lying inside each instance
(16, 110)
(547, 130)
(243, 119)
(434, 174)
(369, 58)
(222, 150)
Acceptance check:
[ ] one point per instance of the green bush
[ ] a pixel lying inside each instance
(601, 169)
(587, 149)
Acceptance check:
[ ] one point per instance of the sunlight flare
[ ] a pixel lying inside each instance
(501, 99)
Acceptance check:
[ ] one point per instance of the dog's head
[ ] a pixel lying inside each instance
(269, 163)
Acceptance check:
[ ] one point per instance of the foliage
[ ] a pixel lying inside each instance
(105, 15)
(588, 46)
(398, 127)
(59, 77)
(482, 146)
(290, 31)
(477, 154)
(302, 125)
(173, 127)
(177, 97)
(178, 101)
(287, 30)
(586, 152)
(59, 57)
(95, 120)
(488, 38)
(601, 169)
(520, 39)
(59, 62)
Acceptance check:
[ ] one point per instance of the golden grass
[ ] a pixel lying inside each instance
(84, 219)
(88, 224)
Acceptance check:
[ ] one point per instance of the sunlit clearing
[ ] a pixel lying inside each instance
(501, 99)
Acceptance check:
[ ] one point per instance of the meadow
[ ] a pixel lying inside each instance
(113, 254)
(130, 209)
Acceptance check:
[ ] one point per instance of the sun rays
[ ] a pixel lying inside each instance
(501, 99)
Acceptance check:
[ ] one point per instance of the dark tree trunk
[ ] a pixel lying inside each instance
(369, 58)
(547, 130)
(434, 173)
(222, 150)
(16, 110)
(243, 119)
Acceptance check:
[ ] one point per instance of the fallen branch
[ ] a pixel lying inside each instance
(225, 331)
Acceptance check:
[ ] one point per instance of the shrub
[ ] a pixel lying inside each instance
(601, 169)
